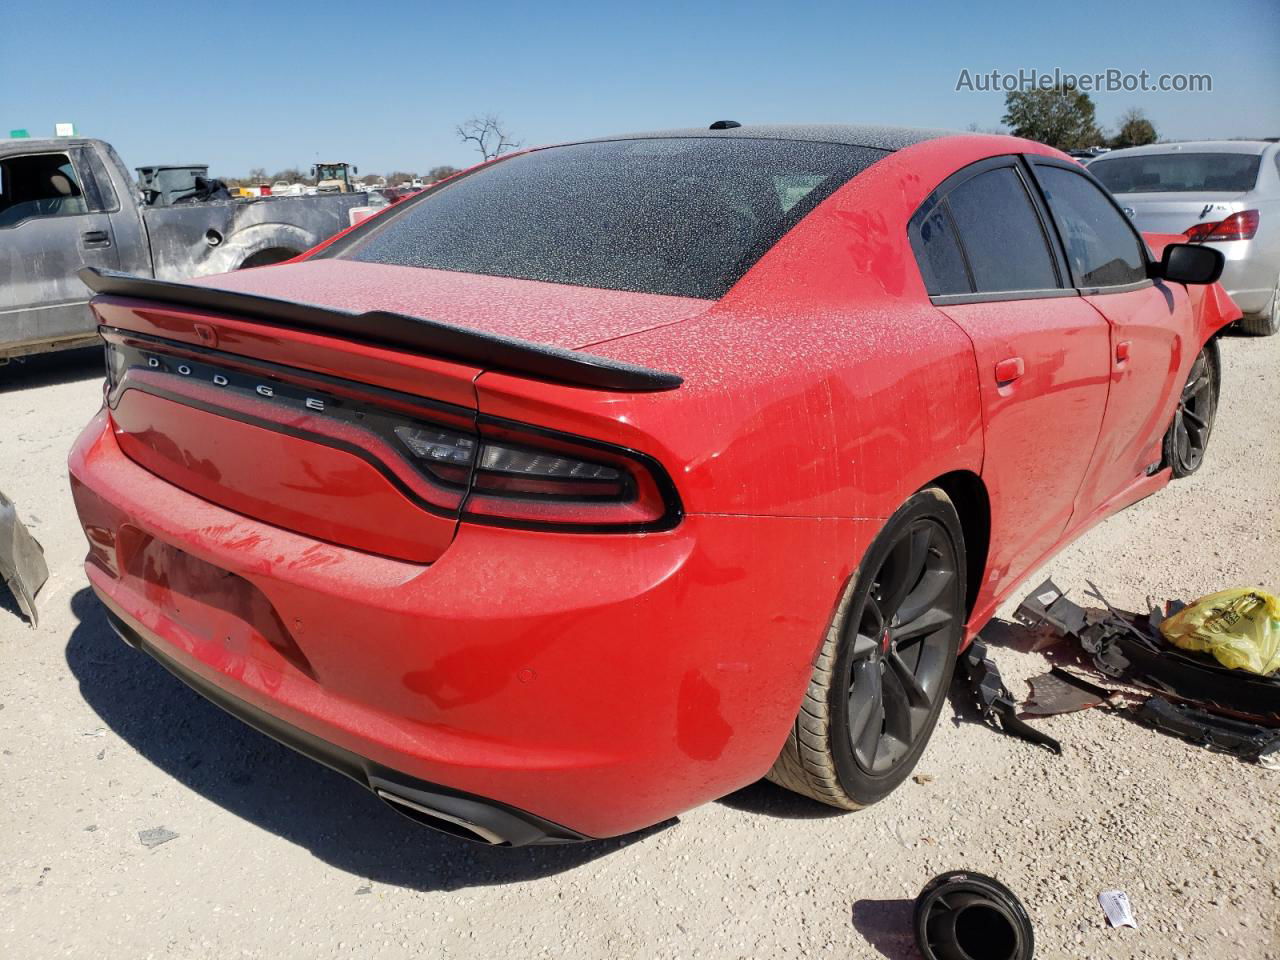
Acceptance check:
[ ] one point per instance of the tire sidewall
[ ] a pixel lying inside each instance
(1213, 363)
(862, 787)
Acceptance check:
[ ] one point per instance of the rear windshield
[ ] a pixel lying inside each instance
(677, 216)
(1178, 172)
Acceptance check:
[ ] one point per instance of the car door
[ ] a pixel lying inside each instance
(1153, 329)
(52, 223)
(117, 195)
(992, 264)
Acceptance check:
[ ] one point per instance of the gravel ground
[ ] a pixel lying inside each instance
(272, 855)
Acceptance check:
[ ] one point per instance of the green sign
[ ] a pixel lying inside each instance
(19, 133)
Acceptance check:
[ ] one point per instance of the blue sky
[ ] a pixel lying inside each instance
(241, 84)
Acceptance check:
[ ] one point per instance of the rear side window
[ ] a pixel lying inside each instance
(681, 216)
(1178, 172)
(1101, 247)
(1001, 233)
(939, 256)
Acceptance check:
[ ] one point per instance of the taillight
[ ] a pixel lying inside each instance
(444, 454)
(1239, 226)
(444, 457)
(524, 476)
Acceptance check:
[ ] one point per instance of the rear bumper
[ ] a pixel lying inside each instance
(461, 814)
(588, 685)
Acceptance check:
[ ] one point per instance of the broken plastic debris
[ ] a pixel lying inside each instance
(1248, 741)
(1115, 904)
(966, 914)
(1130, 647)
(1059, 691)
(995, 702)
(155, 836)
(22, 565)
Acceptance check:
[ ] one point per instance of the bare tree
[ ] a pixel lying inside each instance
(488, 134)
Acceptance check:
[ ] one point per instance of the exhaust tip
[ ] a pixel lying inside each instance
(448, 823)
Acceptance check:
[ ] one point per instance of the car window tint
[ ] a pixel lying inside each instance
(938, 253)
(1101, 248)
(1001, 233)
(39, 185)
(685, 216)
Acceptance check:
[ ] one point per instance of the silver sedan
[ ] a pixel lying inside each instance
(1222, 192)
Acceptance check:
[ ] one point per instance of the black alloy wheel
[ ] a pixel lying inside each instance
(902, 649)
(1188, 435)
(881, 677)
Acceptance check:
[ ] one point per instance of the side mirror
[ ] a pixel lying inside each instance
(313, 170)
(355, 169)
(1190, 263)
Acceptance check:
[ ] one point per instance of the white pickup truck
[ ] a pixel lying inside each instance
(71, 203)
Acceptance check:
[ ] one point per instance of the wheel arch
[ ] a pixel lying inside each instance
(1215, 358)
(969, 495)
(267, 256)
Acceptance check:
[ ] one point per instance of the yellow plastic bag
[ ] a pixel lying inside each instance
(1240, 627)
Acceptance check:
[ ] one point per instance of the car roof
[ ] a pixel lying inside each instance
(41, 144)
(878, 137)
(1193, 146)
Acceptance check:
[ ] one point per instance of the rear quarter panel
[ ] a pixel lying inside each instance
(824, 384)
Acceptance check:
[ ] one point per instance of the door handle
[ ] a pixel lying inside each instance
(1009, 370)
(95, 238)
(1122, 351)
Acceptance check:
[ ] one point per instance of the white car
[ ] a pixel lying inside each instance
(1221, 192)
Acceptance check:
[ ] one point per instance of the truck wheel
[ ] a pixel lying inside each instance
(1268, 322)
(1188, 435)
(882, 675)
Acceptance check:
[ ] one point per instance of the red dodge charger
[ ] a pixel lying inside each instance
(603, 479)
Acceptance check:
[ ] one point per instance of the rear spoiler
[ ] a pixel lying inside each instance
(488, 350)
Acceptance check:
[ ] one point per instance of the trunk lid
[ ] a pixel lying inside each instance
(301, 425)
(556, 314)
(1175, 212)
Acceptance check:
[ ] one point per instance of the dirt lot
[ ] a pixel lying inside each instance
(275, 856)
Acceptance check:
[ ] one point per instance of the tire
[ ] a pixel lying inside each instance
(1187, 438)
(820, 759)
(1266, 323)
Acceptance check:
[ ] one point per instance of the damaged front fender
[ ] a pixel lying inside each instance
(22, 564)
